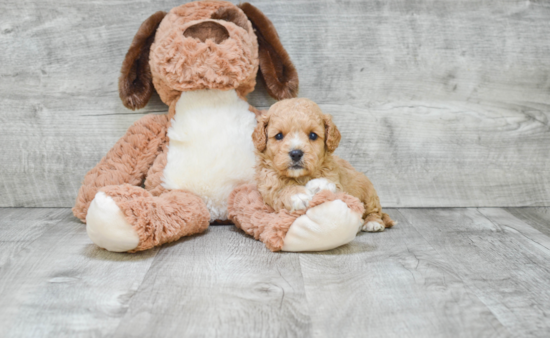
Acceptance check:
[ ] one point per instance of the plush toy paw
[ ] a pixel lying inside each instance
(300, 201)
(373, 226)
(318, 184)
(323, 227)
(107, 227)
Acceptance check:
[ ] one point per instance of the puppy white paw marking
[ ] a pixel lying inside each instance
(373, 226)
(300, 201)
(107, 227)
(318, 184)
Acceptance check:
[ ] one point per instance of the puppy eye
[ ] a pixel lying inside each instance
(279, 136)
(313, 136)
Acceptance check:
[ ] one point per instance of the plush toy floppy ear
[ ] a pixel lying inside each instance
(259, 136)
(277, 70)
(332, 134)
(135, 85)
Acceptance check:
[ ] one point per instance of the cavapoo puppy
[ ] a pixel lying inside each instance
(294, 143)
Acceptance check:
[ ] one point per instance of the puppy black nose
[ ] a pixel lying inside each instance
(296, 155)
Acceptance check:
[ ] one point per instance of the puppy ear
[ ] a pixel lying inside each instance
(135, 85)
(332, 134)
(259, 136)
(277, 70)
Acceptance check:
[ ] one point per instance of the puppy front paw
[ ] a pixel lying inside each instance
(373, 226)
(300, 201)
(318, 184)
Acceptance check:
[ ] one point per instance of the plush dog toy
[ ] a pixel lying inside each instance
(172, 175)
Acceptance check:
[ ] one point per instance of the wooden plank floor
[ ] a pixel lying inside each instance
(440, 273)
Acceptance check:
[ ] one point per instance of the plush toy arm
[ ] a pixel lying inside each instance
(127, 162)
(331, 220)
(249, 212)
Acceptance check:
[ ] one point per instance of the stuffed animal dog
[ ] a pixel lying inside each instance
(294, 145)
(203, 59)
(172, 175)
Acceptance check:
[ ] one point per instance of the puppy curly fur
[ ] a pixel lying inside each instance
(282, 180)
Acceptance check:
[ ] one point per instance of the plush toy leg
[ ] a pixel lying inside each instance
(128, 218)
(332, 220)
(107, 227)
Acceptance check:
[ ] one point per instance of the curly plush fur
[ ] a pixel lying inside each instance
(128, 162)
(162, 219)
(249, 213)
(184, 63)
(203, 45)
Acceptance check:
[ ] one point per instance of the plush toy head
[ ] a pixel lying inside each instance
(295, 137)
(205, 45)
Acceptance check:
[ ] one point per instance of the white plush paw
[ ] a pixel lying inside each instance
(318, 184)
(323, 227)
(300, 201)
(373, 227)
(107, 227)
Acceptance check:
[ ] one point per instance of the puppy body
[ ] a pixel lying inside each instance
(294, 144)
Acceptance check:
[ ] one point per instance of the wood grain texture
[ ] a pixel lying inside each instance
(538, 218)
(222, 283)
(505, 268)
(55, 283)
(447, 154)
(441, 103)
(393, 284)
(517, 224)
(438, 273)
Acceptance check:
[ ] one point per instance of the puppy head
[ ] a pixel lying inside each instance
(295, 137)
(205, 45)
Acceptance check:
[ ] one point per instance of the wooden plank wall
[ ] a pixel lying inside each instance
(440, 103)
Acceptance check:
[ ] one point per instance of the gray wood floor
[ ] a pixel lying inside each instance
(440, 273)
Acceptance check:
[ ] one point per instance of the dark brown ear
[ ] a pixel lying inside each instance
(259, 136)
(135, 85)
(277, 70)
(332, 134)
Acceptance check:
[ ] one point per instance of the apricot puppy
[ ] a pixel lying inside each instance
(294, 143)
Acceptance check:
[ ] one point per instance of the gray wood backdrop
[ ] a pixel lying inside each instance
(440, 103)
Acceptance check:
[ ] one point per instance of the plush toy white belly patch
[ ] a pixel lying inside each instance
(210, 148)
